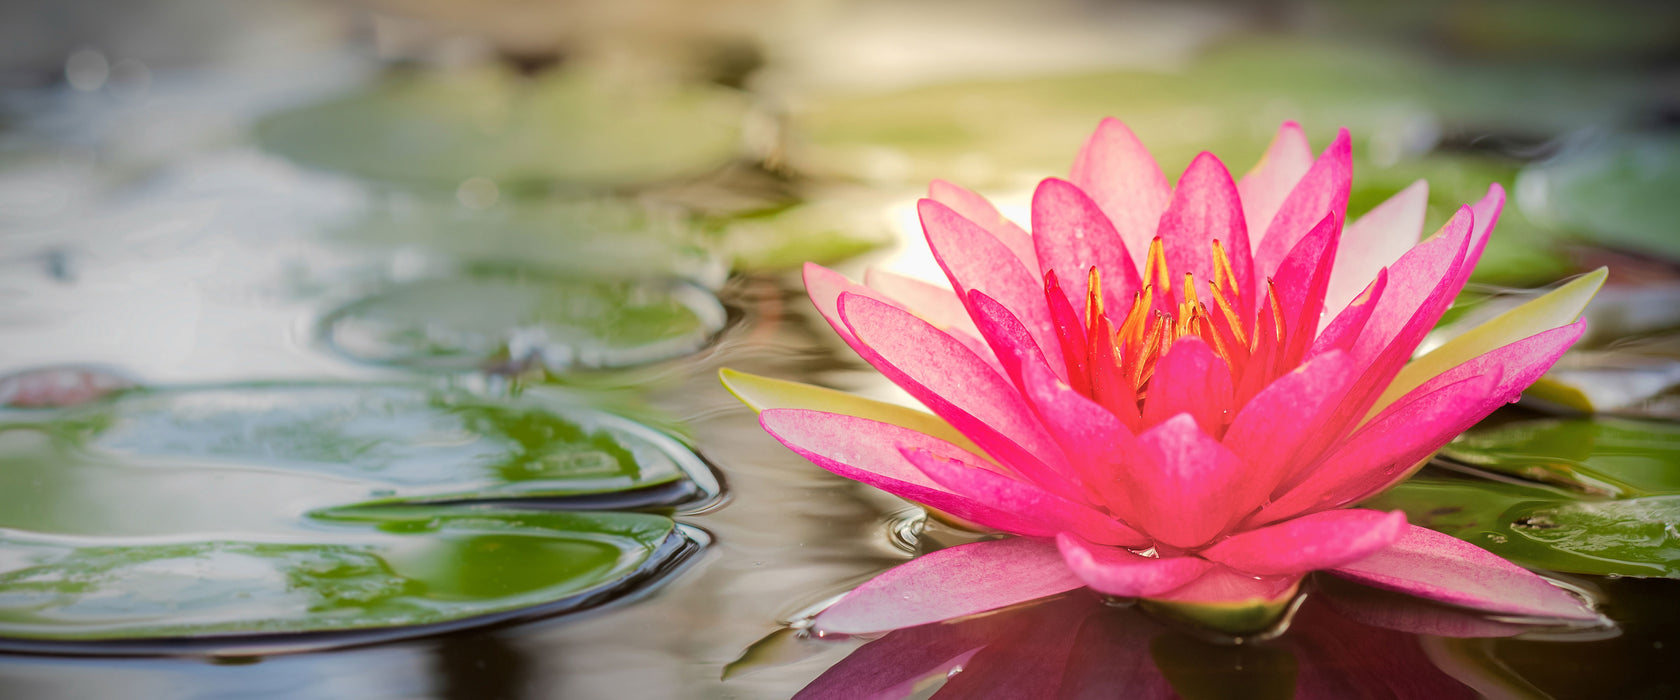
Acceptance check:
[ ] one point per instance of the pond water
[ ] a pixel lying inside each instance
(388, 336)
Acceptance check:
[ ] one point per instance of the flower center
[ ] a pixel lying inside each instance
(1118, 364)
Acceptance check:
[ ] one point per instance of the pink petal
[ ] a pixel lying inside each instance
(1341, 333)
(962, 580)
(1205, 207)
(1072, 236)
(1274, 425)
(975, 259)
(1390, 446)
(1119, 572)
(1486, 215)
(1009, 340)
(1028, 501)
(1264, 188)
(1375, 241)
(1516, 365)
(1323, 540)
(1224, 585)
(1300, 282)
(824, 286)
(1099, 448)
(1191, 490)
(937, 305)
(979, 210)
(1383, 451)
(1119, 174)
(868, 452)
(1322, 192)
(1440, 567)
(1193, 380)
(1418, 290)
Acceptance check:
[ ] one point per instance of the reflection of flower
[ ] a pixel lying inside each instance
(1171, 393)
(1073, 646)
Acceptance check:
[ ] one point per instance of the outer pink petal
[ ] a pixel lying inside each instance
(1008, 338)
(1119, 572)
(1191, 491)
(1383, 451)
(1486, 212)
(1418, 290)
(1388, 448)
(1264, 188)
(1516, 365)
(1319, 541)
(1274, 425)
(1341, 333)
(1205, 207)
(1222, 584)
(937, 305)
(1073, 235)
(1098, 446)
(867, 451)
(957, 386)
(1028, 501)
(1195, 381)
(979, 210)
(1374, 242)
(962, 580)
(1322, 192)
(1440, 567)
(1120, 175)
(974, 259)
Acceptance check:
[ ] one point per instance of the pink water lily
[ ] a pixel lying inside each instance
(1173, 393)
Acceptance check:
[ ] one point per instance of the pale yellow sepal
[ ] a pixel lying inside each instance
(1556, 308)
(760, 393)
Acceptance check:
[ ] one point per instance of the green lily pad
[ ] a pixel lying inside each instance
(564, 127)
(512, 319)
(587, 238)
(827, 230)
(1596, 456)
(1617, 193)
(1547, 528)
(254, 458)
(357, 576)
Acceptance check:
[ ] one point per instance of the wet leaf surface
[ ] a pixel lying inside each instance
(254, 458)
(563, 127)
(510, 319)
(1547, 528)
(1595, 456)
(394, 571)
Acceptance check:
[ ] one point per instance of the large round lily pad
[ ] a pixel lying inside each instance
(1596, 456)
(349, 577)
(1547, 528)
(254, 458)
(505, 318)
(564, 127)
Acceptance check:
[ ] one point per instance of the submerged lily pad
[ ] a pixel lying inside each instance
(508, 318)
(253, 458)
(359, 575)
(563, 126)
(1602, 456)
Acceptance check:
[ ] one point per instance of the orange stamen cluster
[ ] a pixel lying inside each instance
(1120, 359)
